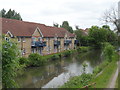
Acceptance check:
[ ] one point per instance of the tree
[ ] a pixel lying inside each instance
(83, 39)
(100, 35)
(65, 25)
(9, 64)
(77, 27)
(12, 14)
(55, 24)
(111, 16)
(2, 13)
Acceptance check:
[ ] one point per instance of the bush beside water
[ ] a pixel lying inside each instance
(83, 49)
(36, 60)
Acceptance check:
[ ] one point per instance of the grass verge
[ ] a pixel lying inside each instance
(103, 79)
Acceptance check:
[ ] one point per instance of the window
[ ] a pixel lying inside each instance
(7, 39)
(33, 39)
(55, 38)
(40, 39)
(33, 50)
(19, 39)
(23, 51)
(23, 39)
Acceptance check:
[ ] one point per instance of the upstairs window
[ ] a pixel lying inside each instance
(33, 39)
(40, 39)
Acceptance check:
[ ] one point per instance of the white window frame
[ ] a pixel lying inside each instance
(7, 39)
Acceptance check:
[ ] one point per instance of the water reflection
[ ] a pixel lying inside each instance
(56, 73)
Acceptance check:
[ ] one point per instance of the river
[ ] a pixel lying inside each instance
(56, 73)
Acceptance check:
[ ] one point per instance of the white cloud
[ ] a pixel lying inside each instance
(78, 12)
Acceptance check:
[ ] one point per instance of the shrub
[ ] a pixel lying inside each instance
(99, 68)
(66, 53)
(10, 64)
(55, 56)
(108, 51)
(35, 59)
(23, 60)
(78, 81)
(83, 49)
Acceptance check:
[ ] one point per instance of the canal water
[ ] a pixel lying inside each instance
(57, 72)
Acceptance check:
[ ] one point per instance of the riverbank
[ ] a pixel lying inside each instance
(57, 72)
(36, 60)
(101, 80)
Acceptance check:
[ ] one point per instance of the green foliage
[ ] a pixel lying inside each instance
(100, 35)
(102, 80)
(67, 53)
(56, 25)
(9, 64)
(23, 60)
(83, 39)
(35, 59)
(55, 57)
(99, 68)
(83, 49)
(65, 25)
(10, 14)
(84, 67)
(78, 81)
(108, 51)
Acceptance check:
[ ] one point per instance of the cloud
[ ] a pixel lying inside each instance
(78, 12)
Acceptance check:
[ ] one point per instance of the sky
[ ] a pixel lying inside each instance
(84, 13)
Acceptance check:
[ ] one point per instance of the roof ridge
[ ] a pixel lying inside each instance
(22, 21)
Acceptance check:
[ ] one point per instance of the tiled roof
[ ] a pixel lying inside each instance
(23, 28)
(85, 32)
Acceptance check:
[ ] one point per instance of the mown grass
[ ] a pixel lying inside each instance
(116, 85)
(117, 82)
(103, 79)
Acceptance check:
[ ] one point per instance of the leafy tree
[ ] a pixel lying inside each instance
(65, 25)
(9, 64)
(99, 35)
(111, 16)
(55, 24)
(83, 39)
(12, 14)
(108, 51)
(2, 13)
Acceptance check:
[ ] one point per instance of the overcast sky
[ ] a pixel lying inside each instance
(84, 13)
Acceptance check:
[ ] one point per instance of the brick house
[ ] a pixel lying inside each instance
(37, 38)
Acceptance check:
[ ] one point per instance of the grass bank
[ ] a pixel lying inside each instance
(118, 78)
(103, 79)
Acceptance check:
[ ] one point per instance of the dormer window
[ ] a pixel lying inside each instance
(7, 39)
